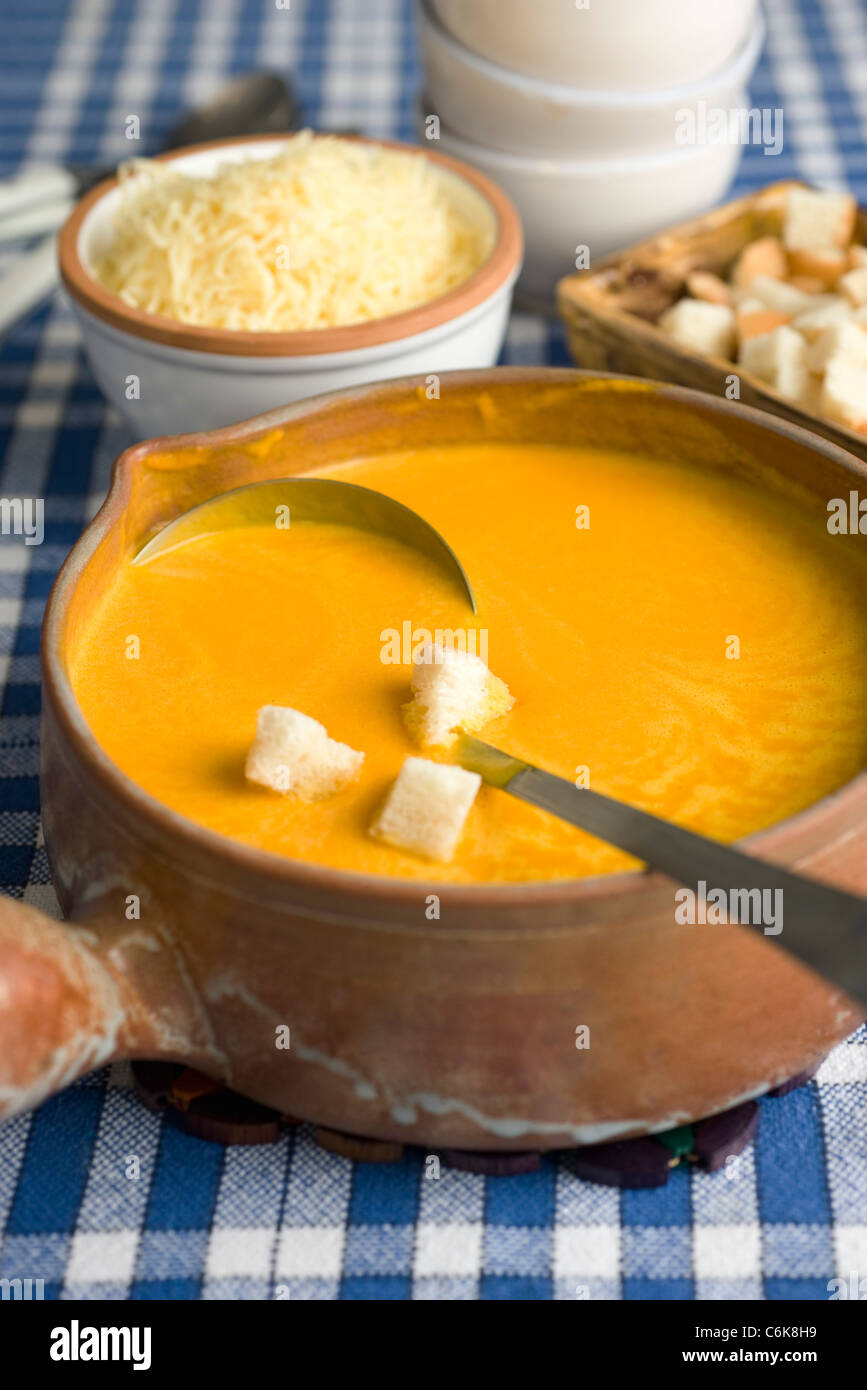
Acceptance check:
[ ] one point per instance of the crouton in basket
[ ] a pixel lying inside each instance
(780, 359)
(810, 284)
(854, 285)
(780, 296)
(848, 340)
(823, 264)
(704, 327)
(828, 310)
(765, 256)
(703, 284)
(753, 322)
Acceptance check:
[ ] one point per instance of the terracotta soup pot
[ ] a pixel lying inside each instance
(457, 1032)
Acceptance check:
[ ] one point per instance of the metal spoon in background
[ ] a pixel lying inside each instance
(311, 499)
(259, 103)
(823, 927)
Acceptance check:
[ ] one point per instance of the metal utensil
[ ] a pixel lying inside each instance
(31, 278)
(257, 103)
(824, 927)
(36, 220)
(291, 500)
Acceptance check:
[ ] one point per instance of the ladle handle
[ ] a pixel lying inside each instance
(824, 927)
(63, 1008)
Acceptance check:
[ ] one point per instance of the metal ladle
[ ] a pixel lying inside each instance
(311, 499)
(824, 927)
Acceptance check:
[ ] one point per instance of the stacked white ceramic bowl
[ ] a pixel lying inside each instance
(598, 121)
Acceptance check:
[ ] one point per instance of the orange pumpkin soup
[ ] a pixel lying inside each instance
(684, 640)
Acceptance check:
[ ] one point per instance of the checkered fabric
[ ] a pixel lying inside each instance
(203, 1222)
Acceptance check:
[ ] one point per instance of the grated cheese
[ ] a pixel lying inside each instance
(325, 232)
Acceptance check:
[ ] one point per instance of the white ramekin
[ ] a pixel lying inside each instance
(505, 110)
(636, 45)
(601, 204)
(167, 377)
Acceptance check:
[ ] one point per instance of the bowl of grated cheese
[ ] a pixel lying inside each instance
(231, 278)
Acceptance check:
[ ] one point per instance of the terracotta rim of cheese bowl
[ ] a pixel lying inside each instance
(501, 265)
(687, 1021)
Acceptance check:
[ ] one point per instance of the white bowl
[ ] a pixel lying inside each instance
(505, 110)
(639, 45)
(167, 377)
(602, 204)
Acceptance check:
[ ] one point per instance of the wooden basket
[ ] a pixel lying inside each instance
(611, 311)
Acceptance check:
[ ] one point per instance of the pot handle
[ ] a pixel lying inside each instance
(64, 1009)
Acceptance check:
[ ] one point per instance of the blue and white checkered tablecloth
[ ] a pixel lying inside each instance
(201, 1221)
